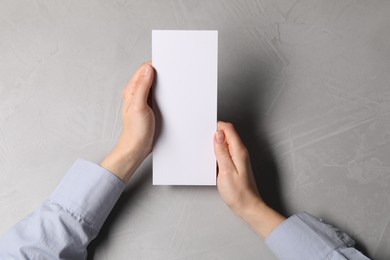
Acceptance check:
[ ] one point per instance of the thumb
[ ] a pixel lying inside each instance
(137, 89)
(222, 153)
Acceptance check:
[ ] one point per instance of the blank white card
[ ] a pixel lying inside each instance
(185, 96)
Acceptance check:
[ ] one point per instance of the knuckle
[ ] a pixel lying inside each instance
(128, 93)
(229, 125)
(225, 126)
(137, 81)
(222, 150)
(223, 171)
(242, 152)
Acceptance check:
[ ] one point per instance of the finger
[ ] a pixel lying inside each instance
(238, 151)
(137, 89)
(222, 154)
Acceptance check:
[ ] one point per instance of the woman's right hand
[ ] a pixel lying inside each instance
(236, 184)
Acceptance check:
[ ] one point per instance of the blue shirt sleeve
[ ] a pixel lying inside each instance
(69, 219)
(303, 236)
(74, 213)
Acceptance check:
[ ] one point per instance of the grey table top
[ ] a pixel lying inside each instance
(306, 83)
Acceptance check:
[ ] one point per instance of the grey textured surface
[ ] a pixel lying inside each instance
(306, 82)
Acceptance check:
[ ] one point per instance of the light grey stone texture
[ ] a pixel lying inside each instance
(307, 83)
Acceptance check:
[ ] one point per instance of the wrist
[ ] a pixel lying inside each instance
(261, 218)
(122, 163)
(253, 209)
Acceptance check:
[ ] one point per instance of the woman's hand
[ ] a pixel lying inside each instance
(138, 124)
(236, 184)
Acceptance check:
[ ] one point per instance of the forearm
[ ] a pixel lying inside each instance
(261, 218)
(122, 163)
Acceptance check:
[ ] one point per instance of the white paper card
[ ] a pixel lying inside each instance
(186, 96)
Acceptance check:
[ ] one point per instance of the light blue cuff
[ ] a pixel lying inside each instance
(303, 236)
(88, 192)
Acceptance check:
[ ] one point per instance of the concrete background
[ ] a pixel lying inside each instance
(305, 81)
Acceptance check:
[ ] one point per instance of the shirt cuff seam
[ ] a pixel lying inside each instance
(73, 214)
(341, 243)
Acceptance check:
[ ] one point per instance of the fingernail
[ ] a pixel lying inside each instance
(220, 137)
(146, 70)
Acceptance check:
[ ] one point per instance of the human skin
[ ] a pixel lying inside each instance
(138, 125)
(235, 180)
(236, 184)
